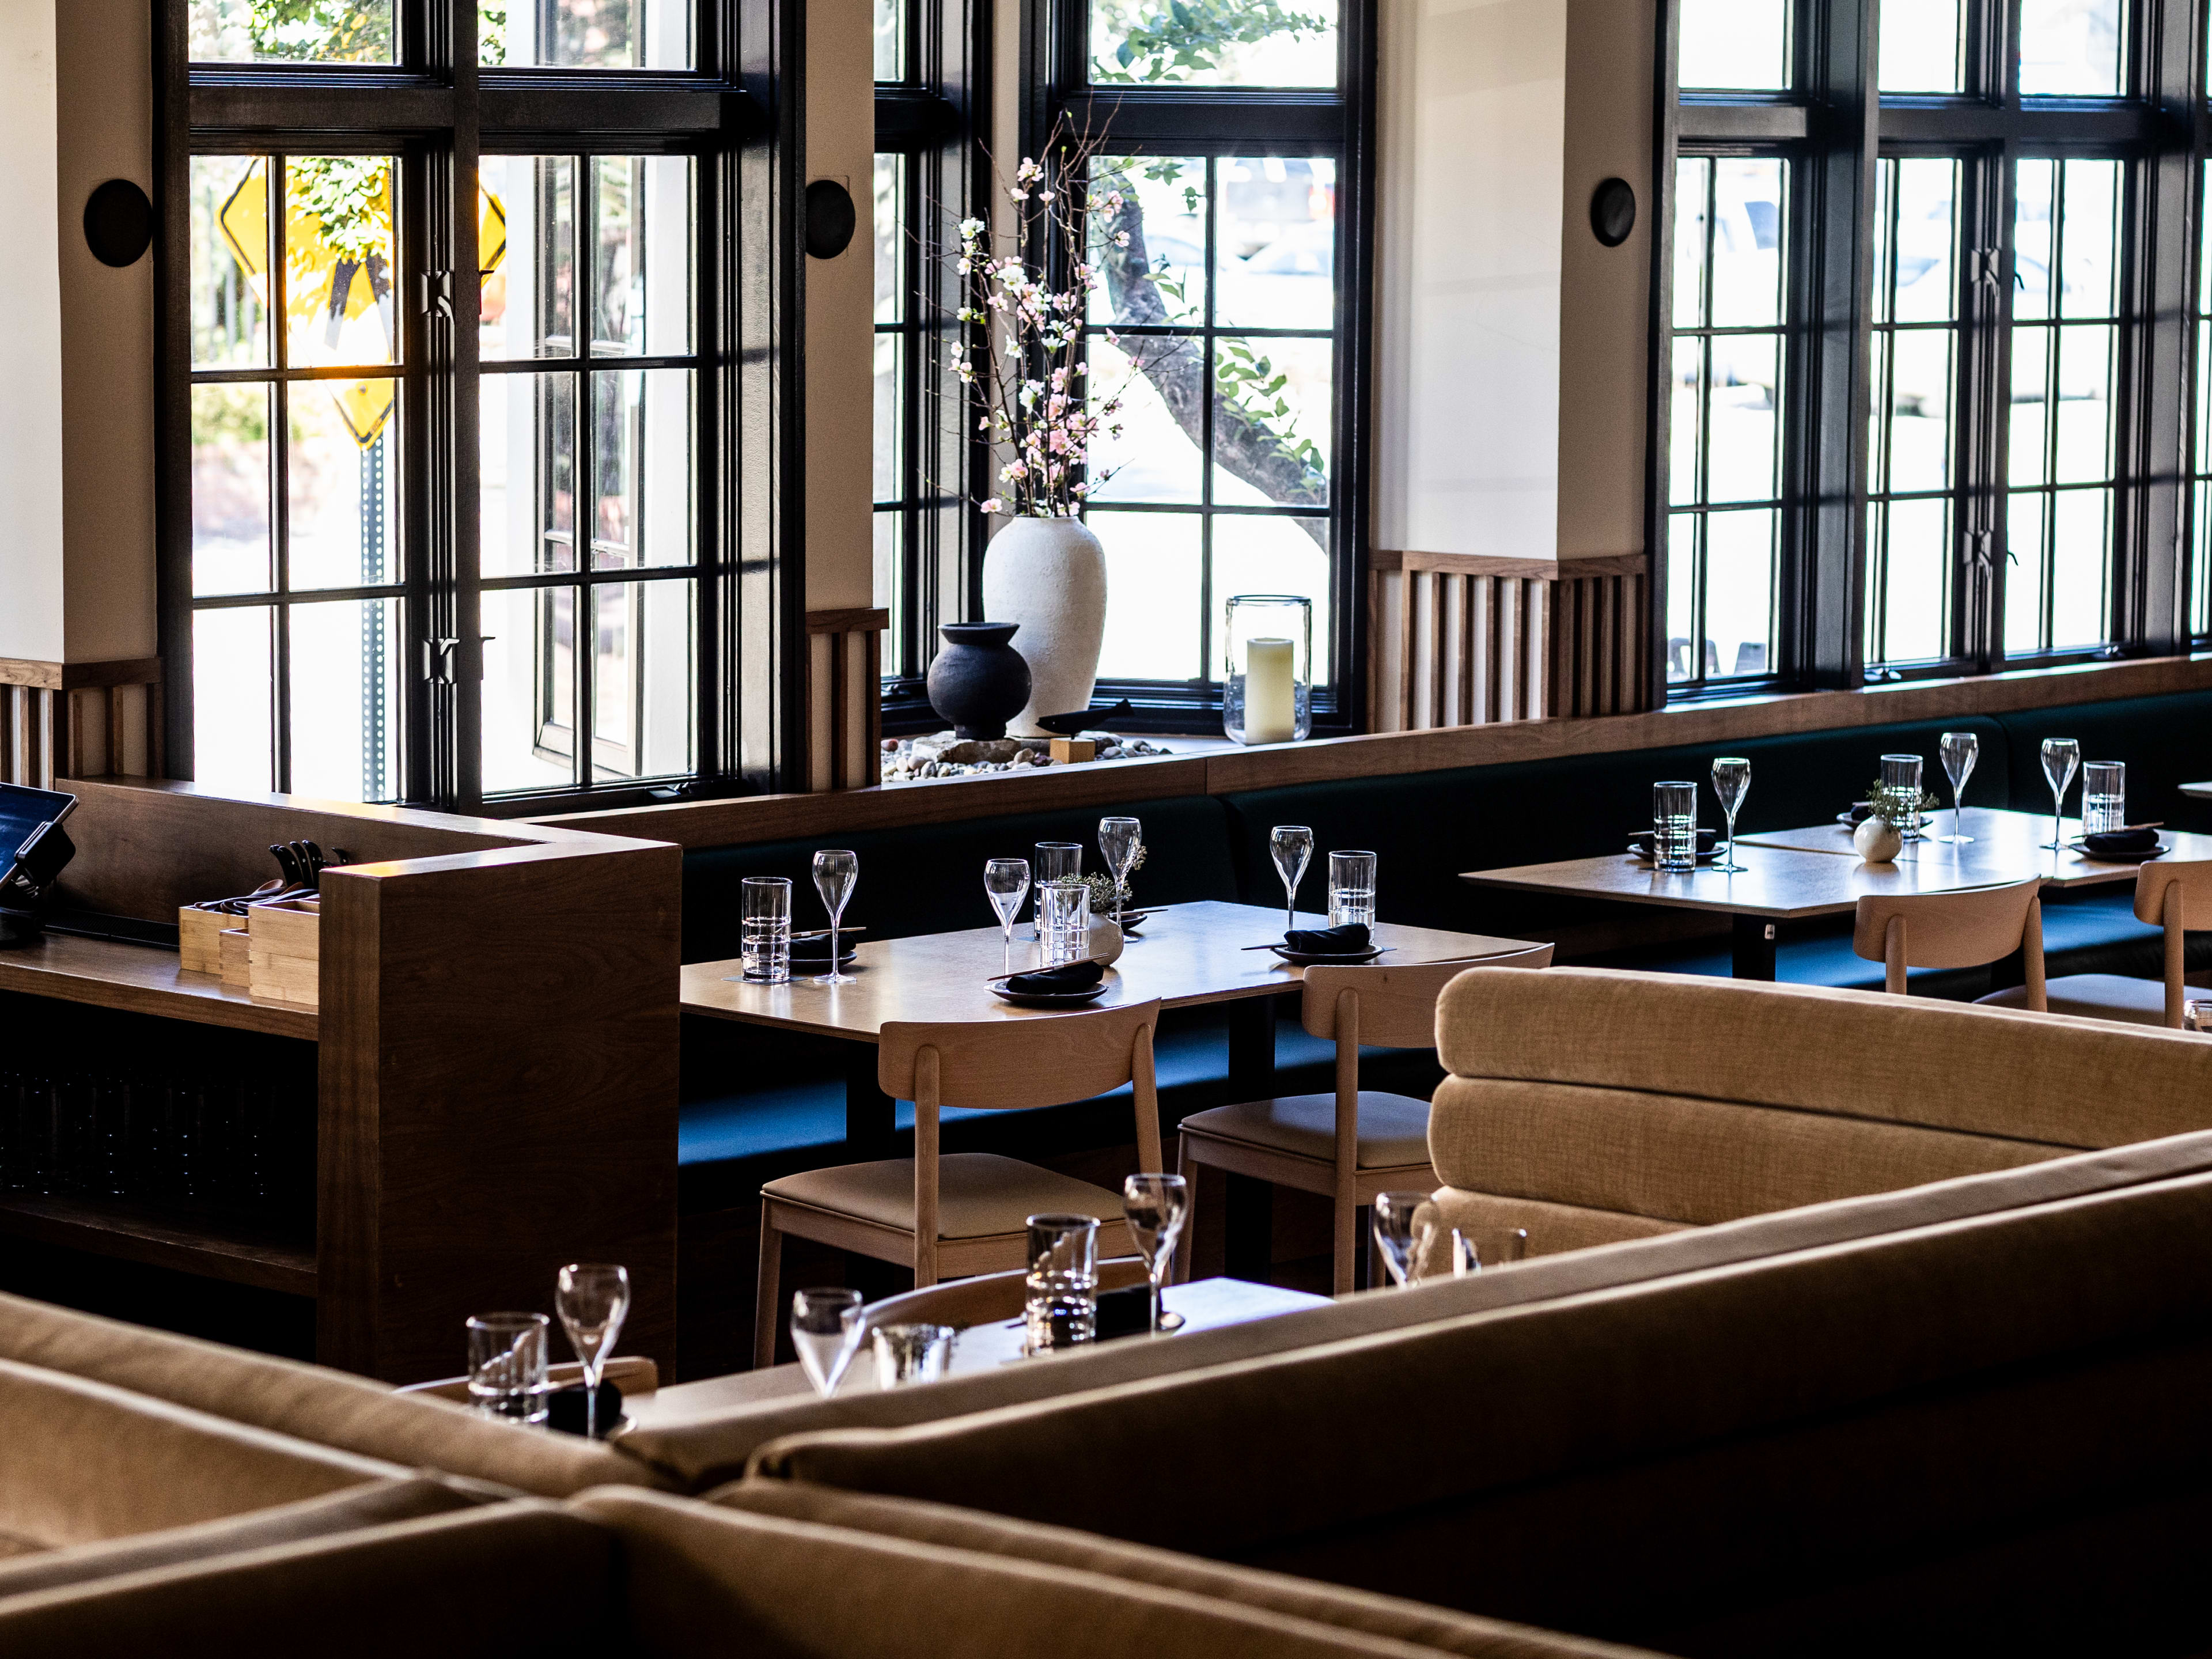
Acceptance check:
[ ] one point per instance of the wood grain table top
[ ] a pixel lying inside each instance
(2006, 847)
(1186, 955)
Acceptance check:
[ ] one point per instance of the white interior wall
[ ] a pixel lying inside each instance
(31, 608)
(840, 300)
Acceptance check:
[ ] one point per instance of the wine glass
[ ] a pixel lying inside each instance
(2060, 756)
(1404, 1227)
(825, 1329)
(834, 872)
(1155, 1206)
(1292, 846)
(1731, 783)
(1959, 750)
(1119, 840)
(1006, 883)
(592, 1298)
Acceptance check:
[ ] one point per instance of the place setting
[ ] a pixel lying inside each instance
(1349, 936)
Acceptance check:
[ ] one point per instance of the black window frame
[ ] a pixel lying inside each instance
(438, 111)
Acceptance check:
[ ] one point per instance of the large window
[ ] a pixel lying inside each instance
(1977, 451)
(438, 537)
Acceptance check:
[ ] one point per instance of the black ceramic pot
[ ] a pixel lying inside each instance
(979, 681)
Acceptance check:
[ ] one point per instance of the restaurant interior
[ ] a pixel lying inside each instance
(1329, 827)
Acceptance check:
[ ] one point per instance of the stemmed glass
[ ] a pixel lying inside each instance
(1119, 840)
(1155, 1206)
(834, 872)
(1959, 750)
(825, 1329)
(1731, 783)
(1292, 846)
(592, 1298)
(2060, 756)
(1006, 881)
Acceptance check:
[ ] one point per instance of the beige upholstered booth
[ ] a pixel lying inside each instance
(1587, 1105)
(2167, 895)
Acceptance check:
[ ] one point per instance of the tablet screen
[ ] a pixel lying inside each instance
(22, 812)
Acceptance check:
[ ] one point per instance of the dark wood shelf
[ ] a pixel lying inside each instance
(172, 1239)
(142, 979)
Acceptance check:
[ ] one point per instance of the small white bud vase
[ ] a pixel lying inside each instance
(1049, 575)
(1105, 941)
(1878, 839)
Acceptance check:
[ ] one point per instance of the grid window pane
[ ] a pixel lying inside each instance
(529, 688)
(230, 261)
(233, 725)
(1920, 47)
(1254, 43)
(1277, 228)
(527, 245)
(526, 482)
(641, 278)
(642, 680)
(2070, 47)
(1147, 455)
(232, 548)
(345, 656)
(1735, 45)
(339, 270)
(341, 482)
(589, 34)
(899, 486)
(1273, 554)
(2200, 561)
(642, 511)
(890, 40)
(1156, 565)
(305, 32)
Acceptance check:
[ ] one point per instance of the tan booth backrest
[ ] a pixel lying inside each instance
(309, 1402)
(702, 1581)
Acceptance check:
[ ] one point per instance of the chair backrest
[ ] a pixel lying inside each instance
(1397, 1000)
(2169, 896)
(1967, 928)
(985, 1298)
(1006, 1065)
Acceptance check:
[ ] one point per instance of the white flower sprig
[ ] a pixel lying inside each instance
(1033, 388)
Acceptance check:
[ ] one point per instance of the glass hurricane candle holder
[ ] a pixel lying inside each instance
(1267, 668)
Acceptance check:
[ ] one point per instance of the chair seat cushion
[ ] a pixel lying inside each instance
(2095, 996)
(979, 1194)
(1394, 1129)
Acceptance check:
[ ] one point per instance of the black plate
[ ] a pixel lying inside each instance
(1131, 920)
(2081, 847)
(1056, 999)
(1308, 959)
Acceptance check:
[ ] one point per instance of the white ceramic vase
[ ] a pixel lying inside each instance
(1050, 577)
(1878, 839)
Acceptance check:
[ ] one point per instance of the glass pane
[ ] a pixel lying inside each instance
(1745, 461)
(1154, 567)
(1684, 439)
(890, 40)
(2031, 350)
(338, 301)
(1746, 255)
(527, 493)
(1271, 421)
(291, 31)
(2079, 594)
(1681, 595)
(2024, 574)
(2085, 383)
(1919, 561)
(2032, 227)
(2091, 233)
(341, 461)
(526, 244)
(1735, 44)
(1275, 242)
(2200, 570)
(1275, 555)
(1148, 238)
(1920, 410)
(1927, 283)
(642, 271)
(1740, 590)
(1920, 47)
(1692, 185)
(230, 261)
(612, 34)
(1236, 43)
(891, 427)
(890, 238)
(642, 680)
(232, 651)
(2070, 47)
(230, 549)
(890, 531)
(642, 437)
(1150, 453)
(529, 688)
(346, 699)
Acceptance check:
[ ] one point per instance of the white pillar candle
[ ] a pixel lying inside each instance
(1271, 709)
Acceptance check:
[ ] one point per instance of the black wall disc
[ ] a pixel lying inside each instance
(1613, 211)
(830, 220)
(118, 222)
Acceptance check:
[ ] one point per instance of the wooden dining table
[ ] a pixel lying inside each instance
(1185, 955)
(1790, 875)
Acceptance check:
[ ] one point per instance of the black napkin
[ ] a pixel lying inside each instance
(2128, 842)
(1640, 839)
(1057, 981)
(564, 1408)
(1328, 941)
(1125, 1312)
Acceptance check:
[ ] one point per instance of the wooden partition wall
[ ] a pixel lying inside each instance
(57, 719)
(495, 1051)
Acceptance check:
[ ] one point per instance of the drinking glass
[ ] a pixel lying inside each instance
(906, 1354)
(1731, 783)
(592, 1298)
(834, 873)
(1064, 921)
(507, 1366)
(1155, 1206)
(1959, 750)
(2196, 1017)
(1405, 1228)
(825, 1329)
(1675, 826)
(1291, 844)
(1465, 1259)
(1351, 889)
(1901, 776)
(767, 929)
(1007, 882)
(1055, 860)
(1062, 1305)
(2060, 756)
(2104, 797)
(1119, 840)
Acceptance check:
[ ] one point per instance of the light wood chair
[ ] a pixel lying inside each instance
(2167, 895)
(967, 1213)
(1969, 928)
(1352, 1144)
